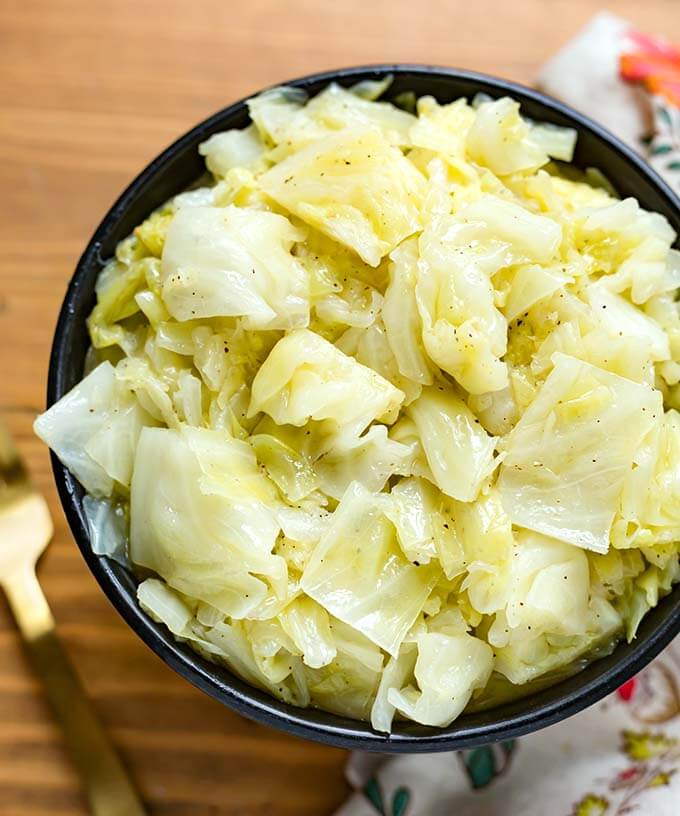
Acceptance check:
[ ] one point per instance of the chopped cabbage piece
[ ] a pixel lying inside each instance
(200, 518)
(568, 456)
(622, 318)
(396, 672)
(458, 450)
(448, 669)
(502, 141)
(336, 109)
(369, 459)
(164, 605)
(355, 187)
(94, 430)
(463, 331)
(229, 261)
(233, 148)
(400, 315)
(107, 526)
(530, 284)
(308, 626)
(358, 573)
(305, 377)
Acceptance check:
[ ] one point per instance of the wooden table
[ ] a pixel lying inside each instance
(90, 92)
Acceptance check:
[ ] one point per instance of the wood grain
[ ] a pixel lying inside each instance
(90, 91)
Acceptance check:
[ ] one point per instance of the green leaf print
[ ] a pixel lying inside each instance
(660, 149)
(374, 795)
(400, 800)
(665, 116)
(481, 766)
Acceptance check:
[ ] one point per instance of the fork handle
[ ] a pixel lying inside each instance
(107, 786)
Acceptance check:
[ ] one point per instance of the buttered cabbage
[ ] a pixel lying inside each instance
(387, 412)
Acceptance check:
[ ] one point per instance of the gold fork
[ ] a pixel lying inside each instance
(25, 530)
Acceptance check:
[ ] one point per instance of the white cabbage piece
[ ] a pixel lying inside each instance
(502, 141)
(531, 283)
(337, 108)
(485, 532)
(394, 676)
(403, 326)
(369, 459)
(233, 644)
(442, 128)
(547, 590)
(528, 237)
(352, 644)
(458, 450)
(358, 305)
(353, 186)
(107, 526)
(151, 389)
(201, 518)
(307, 521)
(649, 515)
(527, 658)
(232, 261)
(188, 399)
(497, 410)
(448, 670)
(463, 331)
(280, 116)
(165, 606)
(94, 430)
(346, 687)
(305, 377)
(405, 432)
(568, 456)
(308, 626)
(425, 526)
(273, 650)
(557, 142)
(232, 148)
(290, 470)
(371, 348)
(359, 574)
(622, 318)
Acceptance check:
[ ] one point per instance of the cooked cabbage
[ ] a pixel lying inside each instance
(568, 456)
(385, 416)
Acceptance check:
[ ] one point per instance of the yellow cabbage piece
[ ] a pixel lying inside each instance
(403, 326)
(353, 186)
(501, 140)
(568, 456)
(95, 428)
(462, 330)
(229, 261)
(447, 670)
(201, 518)
(306, 377)
(458, 450)
(359, 574)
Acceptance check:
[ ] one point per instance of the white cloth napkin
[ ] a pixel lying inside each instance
(622, 755)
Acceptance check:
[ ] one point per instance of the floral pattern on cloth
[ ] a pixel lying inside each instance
(621, 756)
(626, 80)
(655, 64)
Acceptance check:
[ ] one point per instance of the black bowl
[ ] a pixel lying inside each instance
(174, 170)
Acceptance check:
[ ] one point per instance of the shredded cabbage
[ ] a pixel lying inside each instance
(385, 415)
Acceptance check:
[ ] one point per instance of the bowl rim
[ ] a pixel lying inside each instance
(337, 731)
